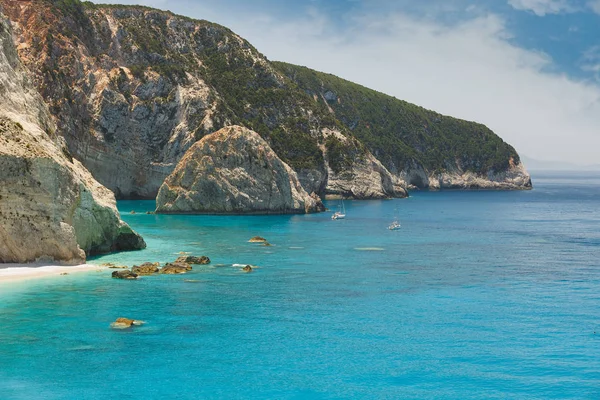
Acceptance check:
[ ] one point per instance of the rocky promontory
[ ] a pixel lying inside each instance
(234, 171)
(422, 149)
(51, 208)
(515, 177)
(133, 88)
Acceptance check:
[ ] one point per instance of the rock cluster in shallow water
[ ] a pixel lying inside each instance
(182, 265)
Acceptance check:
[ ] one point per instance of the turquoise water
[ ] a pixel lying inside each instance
(479, 295)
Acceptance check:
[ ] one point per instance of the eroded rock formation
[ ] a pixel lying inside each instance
(51, 208)
(233, 171)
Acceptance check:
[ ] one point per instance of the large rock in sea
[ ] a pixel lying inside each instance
(146, 268)
(233, 171)
(51, 208)
(175, 268)
(124, 323)
(124, 274)
(202, 260)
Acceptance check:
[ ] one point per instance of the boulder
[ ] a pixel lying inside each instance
(203, 260)
(233, 171)
(146, 269)
(124, 274)
(175, 268)
(125, 323)
(257, 239)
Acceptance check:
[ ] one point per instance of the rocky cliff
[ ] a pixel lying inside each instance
(421, 148)
(133, 88)
(51, 207)
(234, 171)
(356, 174)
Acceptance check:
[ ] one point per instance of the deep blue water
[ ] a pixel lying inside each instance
(479, 295)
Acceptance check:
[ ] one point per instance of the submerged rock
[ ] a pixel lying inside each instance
(146, 269)
(124, 274)
(175, 268)
(233, 171)
(257, 239)
(203, 260)
(125, 323)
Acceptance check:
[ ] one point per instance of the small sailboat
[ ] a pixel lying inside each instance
(394, 226)
(338, 214)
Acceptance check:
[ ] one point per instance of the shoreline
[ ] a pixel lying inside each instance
(23, 272)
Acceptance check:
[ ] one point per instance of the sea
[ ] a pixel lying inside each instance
(479, 295)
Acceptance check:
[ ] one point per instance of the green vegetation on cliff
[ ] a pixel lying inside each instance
(122, 77)
(398, 132)
(250, 92)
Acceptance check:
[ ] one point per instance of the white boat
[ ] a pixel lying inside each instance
(338, 214)
(394, 226)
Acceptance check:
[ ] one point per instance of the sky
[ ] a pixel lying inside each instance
(528, 69)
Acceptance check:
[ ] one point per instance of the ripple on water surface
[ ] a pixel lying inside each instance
(480, 295)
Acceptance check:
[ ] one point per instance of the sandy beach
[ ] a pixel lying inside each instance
(21, 272)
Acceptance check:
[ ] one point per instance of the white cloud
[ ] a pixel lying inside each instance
(542, 7)
(591, 60)
(594, 5)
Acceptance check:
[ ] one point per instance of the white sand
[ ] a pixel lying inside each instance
(21, 272)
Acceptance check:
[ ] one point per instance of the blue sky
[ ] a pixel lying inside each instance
(529, 69)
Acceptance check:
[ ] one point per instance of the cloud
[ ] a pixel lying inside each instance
(594, 5)
(591, 60)
(543, 7)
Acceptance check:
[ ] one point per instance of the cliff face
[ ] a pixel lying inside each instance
(421, 148)
(234, 171)
(133, 88)
(356, 174)
(50, 205)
